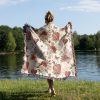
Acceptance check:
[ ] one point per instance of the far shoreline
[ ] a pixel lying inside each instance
(17, 52)
(7, 53)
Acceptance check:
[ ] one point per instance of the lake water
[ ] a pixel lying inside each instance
(88, 66)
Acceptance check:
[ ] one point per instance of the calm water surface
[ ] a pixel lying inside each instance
(88, 66)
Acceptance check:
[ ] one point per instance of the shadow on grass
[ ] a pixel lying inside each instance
(36, 95)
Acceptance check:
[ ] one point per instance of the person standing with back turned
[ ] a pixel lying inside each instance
(49, 52)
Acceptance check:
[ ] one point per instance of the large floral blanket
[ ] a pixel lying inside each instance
(49, 52)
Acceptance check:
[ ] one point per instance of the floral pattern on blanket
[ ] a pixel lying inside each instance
(49, 53)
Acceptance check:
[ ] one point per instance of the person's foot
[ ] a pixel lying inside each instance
(53, 93)
(49, 90)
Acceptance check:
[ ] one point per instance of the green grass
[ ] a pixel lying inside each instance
(37, 90)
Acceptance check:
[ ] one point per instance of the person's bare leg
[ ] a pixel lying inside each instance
(49, 89)
(51, 86)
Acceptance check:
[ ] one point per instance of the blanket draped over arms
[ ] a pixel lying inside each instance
(49, 52)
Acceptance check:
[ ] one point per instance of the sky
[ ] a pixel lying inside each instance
(84, 14)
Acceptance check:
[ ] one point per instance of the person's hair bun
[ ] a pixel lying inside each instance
(48, 17)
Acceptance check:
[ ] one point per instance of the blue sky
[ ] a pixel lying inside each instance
(84, 14)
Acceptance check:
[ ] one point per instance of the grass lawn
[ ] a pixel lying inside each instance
(37, 90)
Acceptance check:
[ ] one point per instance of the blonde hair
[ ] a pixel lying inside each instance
(49, 17)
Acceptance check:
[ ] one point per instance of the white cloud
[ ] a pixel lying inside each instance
(10, 2)
(84, 6)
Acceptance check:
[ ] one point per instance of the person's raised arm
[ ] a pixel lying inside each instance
(26, 31)
(66, 30)
(68, 27)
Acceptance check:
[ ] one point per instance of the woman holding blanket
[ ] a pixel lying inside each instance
(49, 51)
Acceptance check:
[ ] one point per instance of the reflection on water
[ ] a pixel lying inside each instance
(88, 66)
(10, 66)
(98, 59)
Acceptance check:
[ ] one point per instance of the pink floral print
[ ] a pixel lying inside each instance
(50, 52)
(57, 68)
(56, 36)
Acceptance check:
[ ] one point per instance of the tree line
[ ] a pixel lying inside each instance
(12, 39)
(87, 42)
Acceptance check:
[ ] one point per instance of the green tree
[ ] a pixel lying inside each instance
(19, 38)
(2, 40)
(91, 42)
(3, 33)
(76, 40)
(87, 42)
(83, 42)
(10, 42)
(98, 40)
